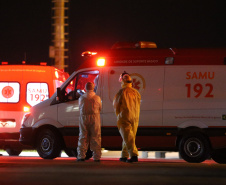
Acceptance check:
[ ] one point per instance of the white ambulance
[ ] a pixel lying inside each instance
(183, 102)
(21, 87)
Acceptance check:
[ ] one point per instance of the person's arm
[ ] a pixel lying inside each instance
(117, 102)
(100, 103)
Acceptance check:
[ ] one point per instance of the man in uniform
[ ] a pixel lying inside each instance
(127, 109)
(89, 124)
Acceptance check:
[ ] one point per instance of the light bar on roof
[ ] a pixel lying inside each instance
(134, 45)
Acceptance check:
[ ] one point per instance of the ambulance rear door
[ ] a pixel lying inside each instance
(68, 111)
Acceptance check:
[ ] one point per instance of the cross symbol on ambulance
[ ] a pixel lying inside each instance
(136, 84)
(7, 92)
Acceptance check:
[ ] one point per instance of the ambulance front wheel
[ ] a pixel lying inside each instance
(219, 156)
(194, 148)
(48, 144)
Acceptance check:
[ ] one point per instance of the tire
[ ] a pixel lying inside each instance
(48, 144)
(194, 148)
(219, 156)
(13, 152)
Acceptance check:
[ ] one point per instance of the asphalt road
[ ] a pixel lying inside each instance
(110, 171)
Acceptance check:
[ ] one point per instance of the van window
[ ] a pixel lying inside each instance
(9, 92)
(83, 78)
(36, 93)
(77, 84)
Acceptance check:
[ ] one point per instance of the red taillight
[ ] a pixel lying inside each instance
(26, 109)
(56, 74)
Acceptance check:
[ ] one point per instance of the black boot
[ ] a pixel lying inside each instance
(132, 159)
(80, 160)
(123, 159)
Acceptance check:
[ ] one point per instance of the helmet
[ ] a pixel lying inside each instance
(125, 77)
(89, 86)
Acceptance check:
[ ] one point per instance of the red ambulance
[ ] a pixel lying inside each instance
(21, 87)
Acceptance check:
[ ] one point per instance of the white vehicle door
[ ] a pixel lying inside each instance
(68, 111)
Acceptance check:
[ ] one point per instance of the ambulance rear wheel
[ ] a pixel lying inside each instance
(48, 144)
(219, 156)
(13, 152)
(194, 148)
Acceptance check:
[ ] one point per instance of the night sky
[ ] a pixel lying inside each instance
(25, 30)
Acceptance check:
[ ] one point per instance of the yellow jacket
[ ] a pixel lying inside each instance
(127, 104)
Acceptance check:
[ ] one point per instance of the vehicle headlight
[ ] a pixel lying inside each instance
(25, 117)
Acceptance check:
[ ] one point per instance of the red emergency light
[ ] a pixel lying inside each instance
(101, 62)
(43, 63)
(88, 53)
(4, 63)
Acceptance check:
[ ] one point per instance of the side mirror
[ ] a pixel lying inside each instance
(59, 95)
